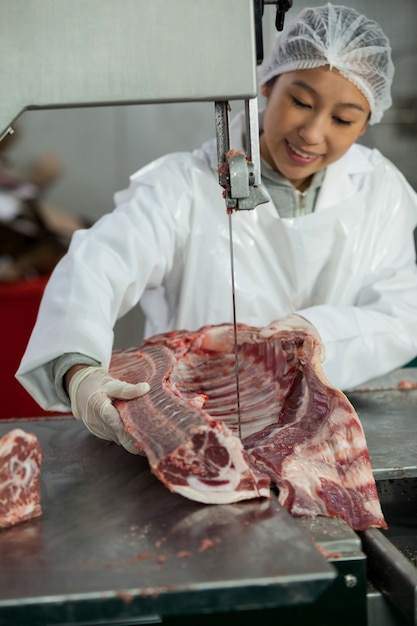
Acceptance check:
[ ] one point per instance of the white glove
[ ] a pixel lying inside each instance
(91, 392)
(292, 322)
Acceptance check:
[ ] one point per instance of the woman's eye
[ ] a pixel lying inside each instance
(342, 122)
(298, 103)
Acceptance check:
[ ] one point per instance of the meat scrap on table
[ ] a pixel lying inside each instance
(20, 461)
(298, 432)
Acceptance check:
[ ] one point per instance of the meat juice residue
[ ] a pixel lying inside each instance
(205, 544)
(404, 385)
(183, 554)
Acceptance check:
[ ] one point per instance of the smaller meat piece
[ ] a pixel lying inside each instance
(20, 460)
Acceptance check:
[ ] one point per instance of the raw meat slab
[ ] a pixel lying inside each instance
(298, 432)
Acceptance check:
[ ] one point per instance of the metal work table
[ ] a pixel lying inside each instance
(389, 419)
(113, 546)
(113, 541)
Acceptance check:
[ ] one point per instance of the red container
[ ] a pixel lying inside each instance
(19, 304)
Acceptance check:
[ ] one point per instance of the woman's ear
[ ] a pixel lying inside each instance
(265, 90)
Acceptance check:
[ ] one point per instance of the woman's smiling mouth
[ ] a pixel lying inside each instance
(298, 155)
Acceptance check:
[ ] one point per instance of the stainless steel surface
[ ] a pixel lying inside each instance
(112, 537)
(392, 573)
(380, 611)
(333, 536)
(387, 408)
(64, 53)
(399, 502)
(389, 418)
(392, 381)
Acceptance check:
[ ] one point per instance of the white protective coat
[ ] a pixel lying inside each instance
(349, 267)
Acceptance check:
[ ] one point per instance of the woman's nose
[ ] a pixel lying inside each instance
(312, 130)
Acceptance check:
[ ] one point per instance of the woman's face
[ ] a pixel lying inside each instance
(311, 119)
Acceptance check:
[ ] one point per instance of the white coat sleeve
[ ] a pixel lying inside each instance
(378, 333)
(103, 275)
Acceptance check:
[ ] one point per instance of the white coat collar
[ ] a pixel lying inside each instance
(340, 181)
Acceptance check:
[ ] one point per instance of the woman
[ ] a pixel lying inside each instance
(332, 249)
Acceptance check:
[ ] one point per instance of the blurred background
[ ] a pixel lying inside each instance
(98, 148)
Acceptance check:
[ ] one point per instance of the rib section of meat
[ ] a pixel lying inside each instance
(20, 461)
(192, 452)
(298, 432)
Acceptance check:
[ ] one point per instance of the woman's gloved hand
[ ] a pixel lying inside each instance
(91, 391)
(292, 322)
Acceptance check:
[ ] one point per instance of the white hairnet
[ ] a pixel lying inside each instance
(344, 39)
